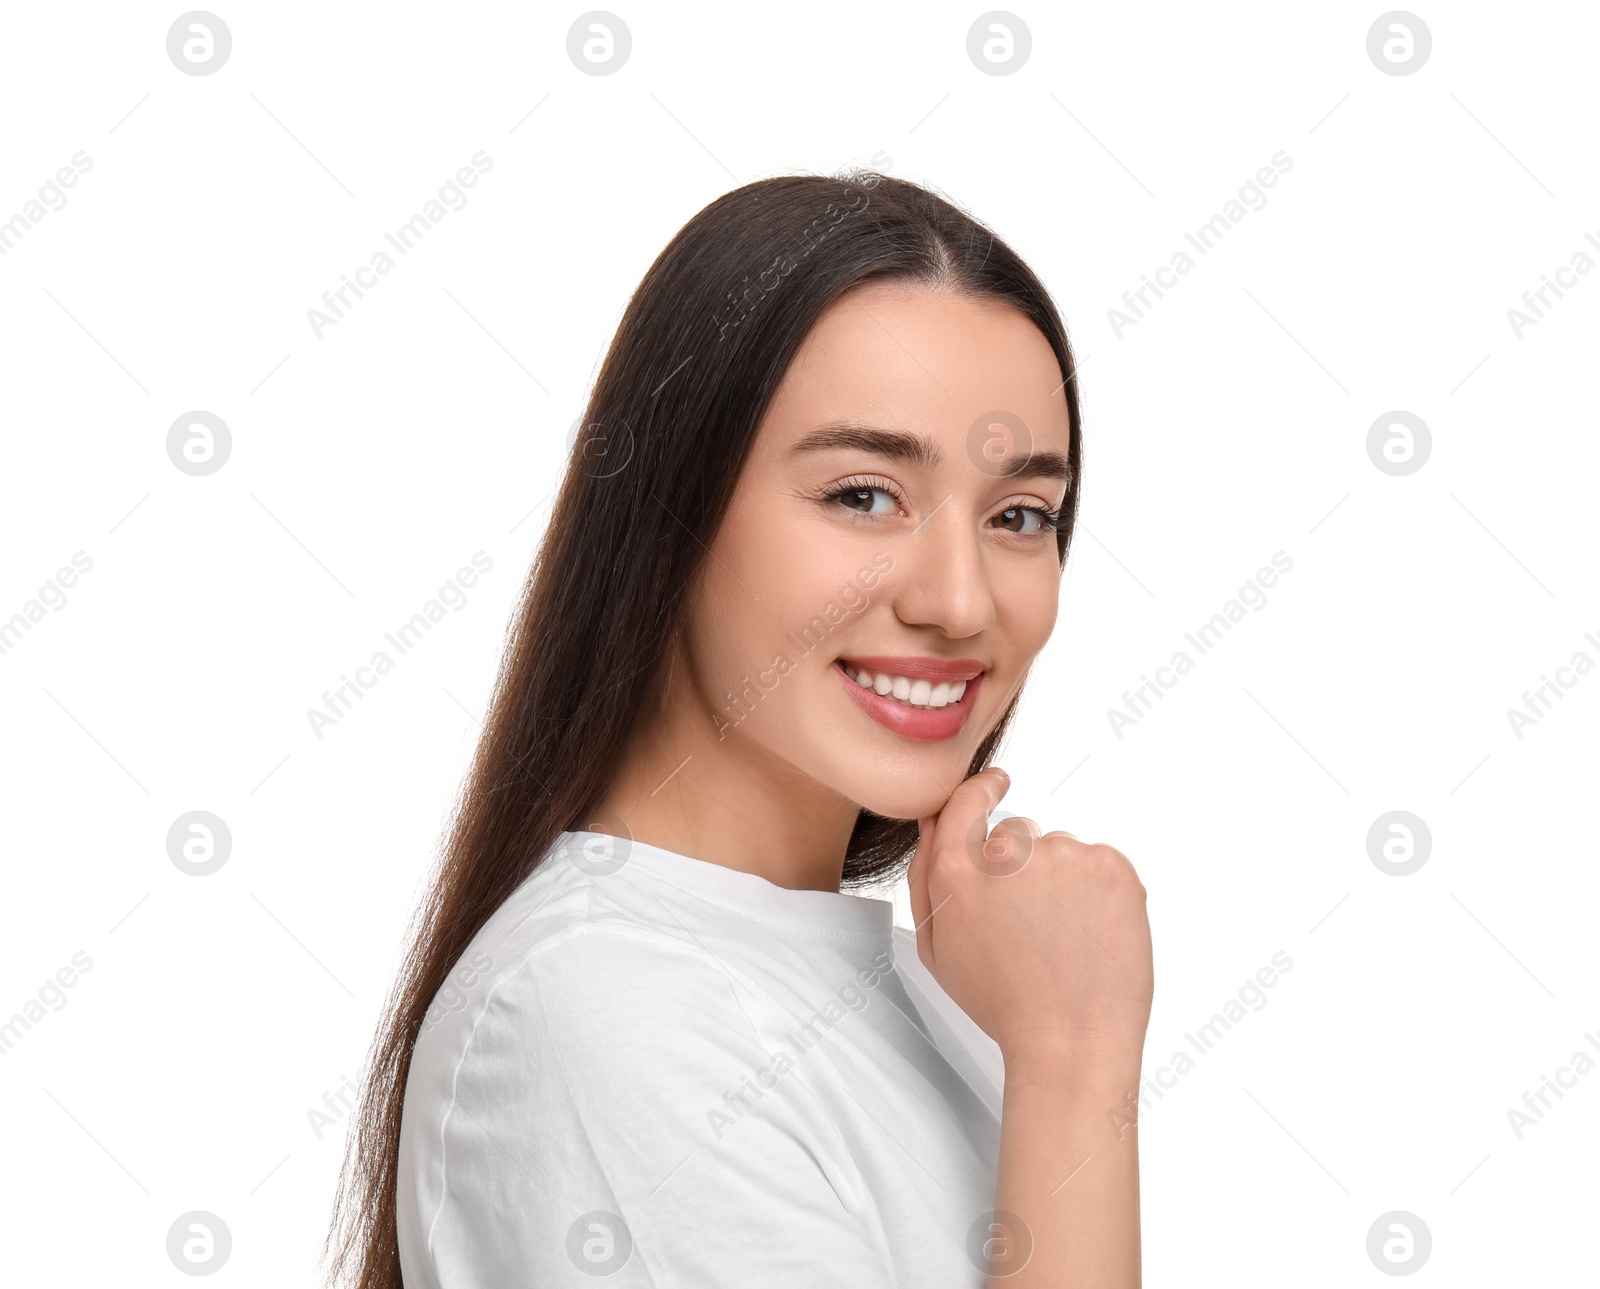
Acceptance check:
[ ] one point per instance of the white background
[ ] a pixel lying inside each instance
(430, 422)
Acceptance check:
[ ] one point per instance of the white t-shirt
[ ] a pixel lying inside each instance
(666, 1072)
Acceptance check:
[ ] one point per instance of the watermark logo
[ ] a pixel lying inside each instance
(199, 43)
(999, 1243)
(599, 1243)
(998, 441)
(1398, 43)
(198, 843)
(607, 851)
(605, 452)
(1398, 843)
(1399, 1243)
(199, 1243)
(998, 43)
(598, 43)
(1002, 851)
(1399, 443)
(199, 443)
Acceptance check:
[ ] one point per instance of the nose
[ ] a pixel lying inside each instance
(940, 579)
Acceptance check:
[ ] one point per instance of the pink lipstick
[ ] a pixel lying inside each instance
(900, 716)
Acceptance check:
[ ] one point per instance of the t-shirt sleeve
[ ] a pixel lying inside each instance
(615, 1114)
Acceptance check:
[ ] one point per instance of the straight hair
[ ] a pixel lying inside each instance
(685, 383)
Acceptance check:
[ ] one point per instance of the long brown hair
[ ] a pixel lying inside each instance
(699, 352)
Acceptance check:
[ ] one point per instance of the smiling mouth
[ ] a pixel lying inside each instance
(930, 706)
(917, 692)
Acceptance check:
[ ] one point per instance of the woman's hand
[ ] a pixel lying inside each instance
(1042, 940)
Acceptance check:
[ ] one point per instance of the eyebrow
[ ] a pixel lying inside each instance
(920, 450)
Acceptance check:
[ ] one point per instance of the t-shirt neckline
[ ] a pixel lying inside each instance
(753, 895)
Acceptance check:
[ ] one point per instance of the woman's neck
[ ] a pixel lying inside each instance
(727, 801)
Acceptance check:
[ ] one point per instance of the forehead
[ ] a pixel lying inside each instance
(924, 359)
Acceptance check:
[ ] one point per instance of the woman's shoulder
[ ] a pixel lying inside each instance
(565, 908)
(597, 1052)
(575, 959)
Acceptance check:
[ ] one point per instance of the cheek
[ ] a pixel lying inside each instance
(759, 622)
(780, 582)
(731, 638)
(1025, 604)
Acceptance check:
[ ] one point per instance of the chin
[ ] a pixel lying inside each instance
(906, 801)
(896, 787)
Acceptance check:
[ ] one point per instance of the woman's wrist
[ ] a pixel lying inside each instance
(1097, 1068)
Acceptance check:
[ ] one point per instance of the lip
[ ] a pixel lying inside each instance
(929, 724)
(934, 669)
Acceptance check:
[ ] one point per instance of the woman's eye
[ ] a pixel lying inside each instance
(1029, 521)
(872, 500)
(862, 500)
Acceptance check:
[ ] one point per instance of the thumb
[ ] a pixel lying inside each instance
(964, 821)
(954, 836)
(917, 881)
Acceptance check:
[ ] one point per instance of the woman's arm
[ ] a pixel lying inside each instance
(1045, 943)
(1067, 1198)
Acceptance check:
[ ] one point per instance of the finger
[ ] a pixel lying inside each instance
(1008, 856)
(963, 825)
(1008, 846)
(917, 881)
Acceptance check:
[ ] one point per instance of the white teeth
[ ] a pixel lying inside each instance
(917, 693)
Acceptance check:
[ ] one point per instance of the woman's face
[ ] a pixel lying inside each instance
(875, 531)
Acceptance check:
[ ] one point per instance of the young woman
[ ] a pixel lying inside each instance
(808, 544)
